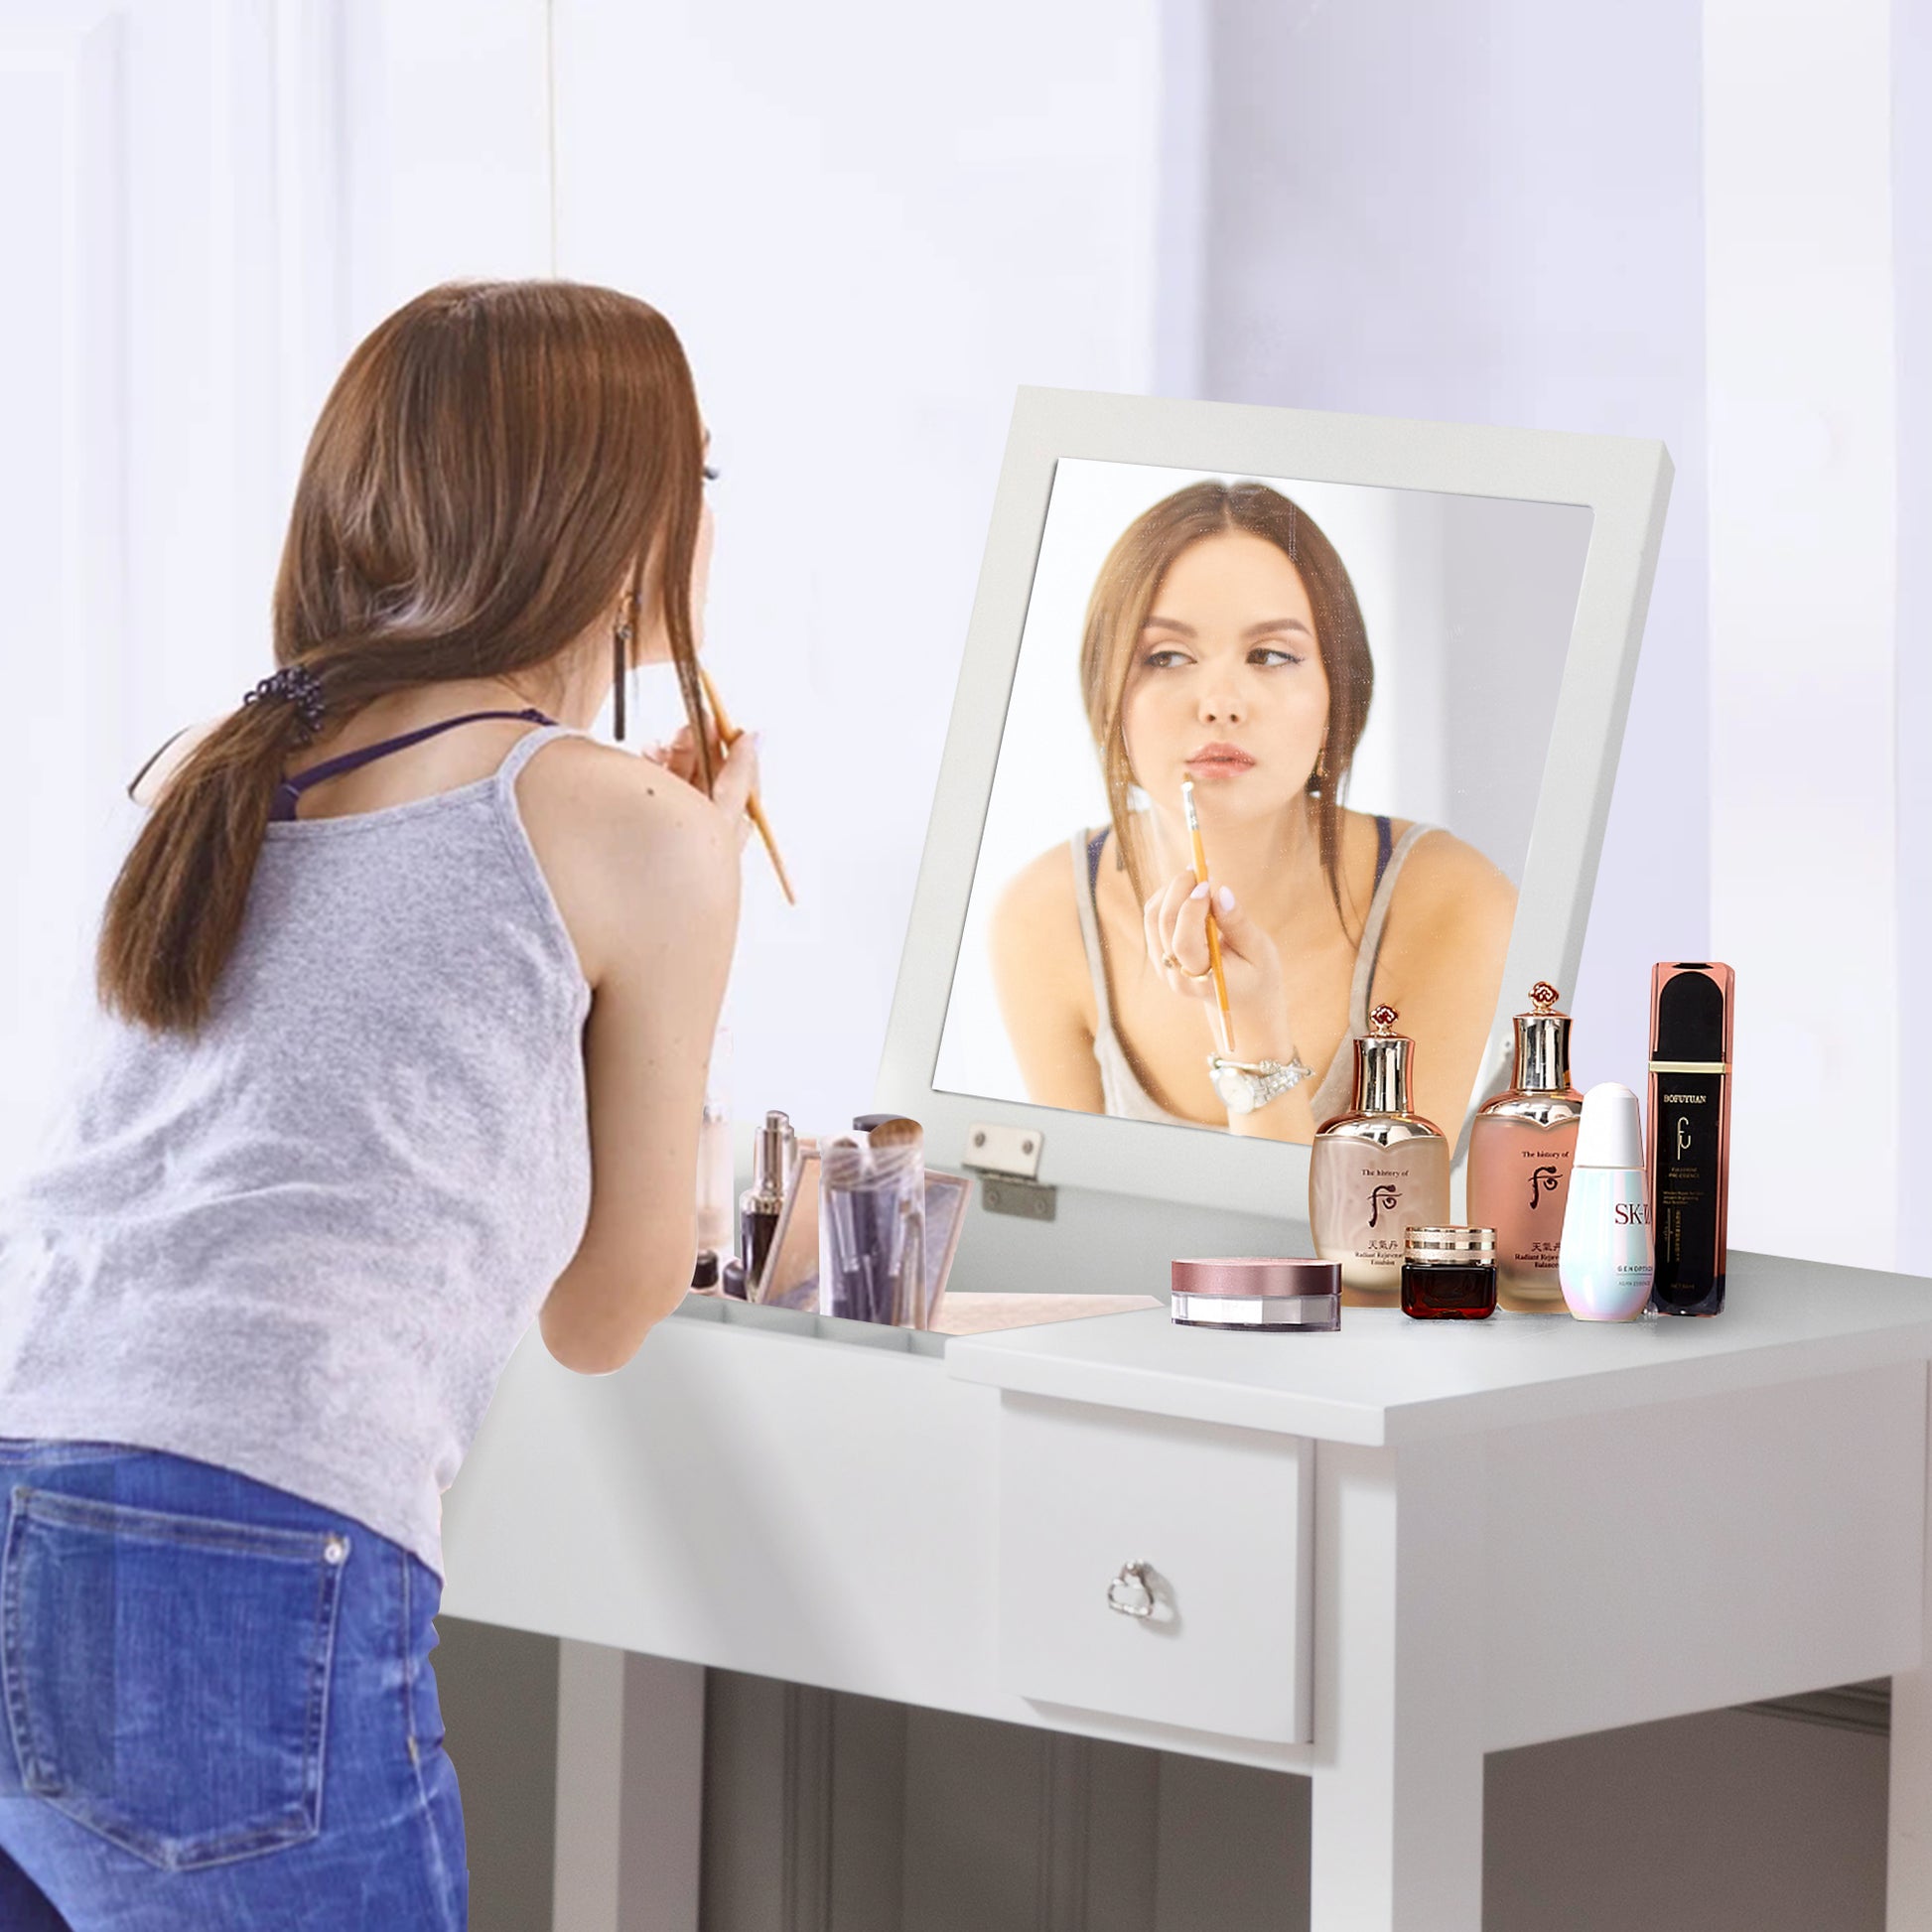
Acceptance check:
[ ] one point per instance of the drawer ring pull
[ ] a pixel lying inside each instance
(1132, 1591)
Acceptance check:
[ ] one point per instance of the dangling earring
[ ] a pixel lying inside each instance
(619, 673)
(1319, 778)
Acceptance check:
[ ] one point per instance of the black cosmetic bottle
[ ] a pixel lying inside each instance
(1690, 1005)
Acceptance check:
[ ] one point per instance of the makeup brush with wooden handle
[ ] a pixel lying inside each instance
(727, 736)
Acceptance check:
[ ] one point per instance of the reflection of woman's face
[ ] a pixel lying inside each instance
(1226, 686)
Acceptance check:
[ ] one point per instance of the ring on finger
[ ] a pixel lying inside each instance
(1170, 962)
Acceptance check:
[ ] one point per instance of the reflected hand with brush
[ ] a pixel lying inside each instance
(1207, 947)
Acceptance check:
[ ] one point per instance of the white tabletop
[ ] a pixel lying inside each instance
(1383, 1378)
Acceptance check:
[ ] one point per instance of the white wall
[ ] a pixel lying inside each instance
(63, 533)
(166, 206)
(1911, 129)
(1802, 404)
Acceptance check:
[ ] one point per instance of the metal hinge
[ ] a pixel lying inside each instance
(1007, 1161)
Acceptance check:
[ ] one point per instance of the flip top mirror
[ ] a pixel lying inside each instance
(1367, 676)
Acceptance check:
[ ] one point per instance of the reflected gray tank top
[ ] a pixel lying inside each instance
(302, 1243)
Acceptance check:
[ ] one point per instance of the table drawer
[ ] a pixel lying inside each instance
(1220, 1518)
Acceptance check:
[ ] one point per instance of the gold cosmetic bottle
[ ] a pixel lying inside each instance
(1376, 1172)
(1521, 1146)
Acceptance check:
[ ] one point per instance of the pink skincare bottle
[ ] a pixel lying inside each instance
(1376, 1172)
(1521, 1144)
(1606, 1257)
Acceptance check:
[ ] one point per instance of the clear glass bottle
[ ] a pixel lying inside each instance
(1376, 1172)
(774, 1154)
(716, 1215)
(1522, 1145)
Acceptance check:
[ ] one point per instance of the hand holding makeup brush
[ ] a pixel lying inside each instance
(1175, 922)
(735, 770)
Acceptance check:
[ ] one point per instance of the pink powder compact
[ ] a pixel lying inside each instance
(1294, 1295)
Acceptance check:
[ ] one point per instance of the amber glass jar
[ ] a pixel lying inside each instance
(1450, 1274)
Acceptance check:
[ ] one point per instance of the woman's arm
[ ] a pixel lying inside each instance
(646, 871)
(1441, 967)
(1041, 976)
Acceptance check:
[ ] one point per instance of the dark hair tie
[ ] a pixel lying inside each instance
(293, 684)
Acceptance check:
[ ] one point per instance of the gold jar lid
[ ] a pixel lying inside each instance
(1451, 1244)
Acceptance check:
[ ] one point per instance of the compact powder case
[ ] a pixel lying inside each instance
(1294, 1296)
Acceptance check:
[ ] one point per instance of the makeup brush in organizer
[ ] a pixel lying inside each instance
(727, 736)
(871, 1225)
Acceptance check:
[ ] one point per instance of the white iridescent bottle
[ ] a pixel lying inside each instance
(1606, 1257)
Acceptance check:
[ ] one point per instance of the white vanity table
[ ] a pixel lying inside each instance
(1368, 1557)
(1376, 1554)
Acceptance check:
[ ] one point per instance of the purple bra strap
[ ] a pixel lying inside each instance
(290, 791)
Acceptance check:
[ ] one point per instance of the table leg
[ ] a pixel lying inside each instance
(629, 1791)
(1908, 1866)
(1397, 1817)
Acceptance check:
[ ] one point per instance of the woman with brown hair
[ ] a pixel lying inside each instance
(409, 990)
(1225, 646)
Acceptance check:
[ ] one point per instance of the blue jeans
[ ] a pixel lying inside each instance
(219, 1708)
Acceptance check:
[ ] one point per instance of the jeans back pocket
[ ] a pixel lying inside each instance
(166, 1678)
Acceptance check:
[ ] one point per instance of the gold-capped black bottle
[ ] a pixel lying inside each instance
(1691, 1003)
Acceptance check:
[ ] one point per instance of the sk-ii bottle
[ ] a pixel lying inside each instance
(1376, 1172)
(1521, 1144)
(1605, 1262)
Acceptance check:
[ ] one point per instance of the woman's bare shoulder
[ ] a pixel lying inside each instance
(621, 839)
(1447, 883)
(601, 796)
(1036, 916)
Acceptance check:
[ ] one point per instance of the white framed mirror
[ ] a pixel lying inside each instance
(1387, 662)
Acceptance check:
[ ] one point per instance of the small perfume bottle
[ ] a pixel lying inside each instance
(1605, 1261)
(1376, 1172)
(715, 1170)
(761, 1204)
(1521, 1146)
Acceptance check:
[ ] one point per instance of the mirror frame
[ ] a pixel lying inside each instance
(1625, 481)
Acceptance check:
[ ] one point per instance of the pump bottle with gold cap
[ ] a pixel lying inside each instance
(1521, 1146)
(1376, 1172)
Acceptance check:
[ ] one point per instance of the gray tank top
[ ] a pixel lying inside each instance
(1123, 1092)
(302, 1243)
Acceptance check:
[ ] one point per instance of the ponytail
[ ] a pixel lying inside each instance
(175, 911)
